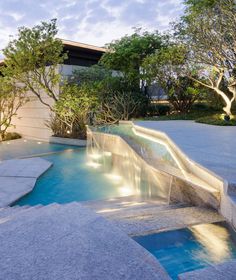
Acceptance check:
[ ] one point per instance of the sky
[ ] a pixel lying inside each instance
(95, 22)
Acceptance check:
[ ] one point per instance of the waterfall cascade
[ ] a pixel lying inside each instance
(127, 158)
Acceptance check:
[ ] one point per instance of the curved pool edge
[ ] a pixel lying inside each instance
(18, 178)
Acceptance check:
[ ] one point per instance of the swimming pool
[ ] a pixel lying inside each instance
(73, 178)
(191, 248)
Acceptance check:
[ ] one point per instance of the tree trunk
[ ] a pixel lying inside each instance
(227, 101)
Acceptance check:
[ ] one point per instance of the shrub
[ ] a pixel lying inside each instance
(158, 110)
(11, 136)
(119, 99)
(163, 110)
(204, 107)
(72, 110)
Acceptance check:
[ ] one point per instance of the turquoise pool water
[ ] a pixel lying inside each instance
(191, 248)
(71, 179)
(26, 148)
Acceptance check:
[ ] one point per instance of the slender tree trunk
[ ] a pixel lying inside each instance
(227, 101)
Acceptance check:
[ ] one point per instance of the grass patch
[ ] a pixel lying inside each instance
(193, 115)
(216, 120)
(200, 114)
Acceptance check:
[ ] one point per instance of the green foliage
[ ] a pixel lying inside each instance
(72, 110)
(208, 30)
(204, 107)
(119, 100)
(11, 136)
(127, 54)
(196, 6)
(158, 110)
(117, 97)
(165, 64)
(33, 57)
(198, 110)
(217, 119)
(12, 97)
(167, 67)
(182, 94)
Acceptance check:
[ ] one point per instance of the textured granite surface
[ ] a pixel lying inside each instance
(18, 177)
(211, 146)
(70, 242)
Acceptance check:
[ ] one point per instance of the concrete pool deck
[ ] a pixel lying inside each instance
(213, 147)
(18, 177)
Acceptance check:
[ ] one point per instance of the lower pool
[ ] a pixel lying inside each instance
(71, 178)
(191, 248)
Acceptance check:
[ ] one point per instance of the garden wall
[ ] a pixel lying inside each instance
(31, 119)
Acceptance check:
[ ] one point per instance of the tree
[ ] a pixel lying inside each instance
(72, 110)
(167, 67)
(119, 100)
(127, 54)
(118, 97)
(12, 97)
(197, 6)
(32, 59)
(208, 29)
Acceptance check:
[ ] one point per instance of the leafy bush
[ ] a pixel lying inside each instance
(158, 110)
(168, 67)
(12, 97)
(205, 107)
(72, 109)
(119, 100)
(11, 136)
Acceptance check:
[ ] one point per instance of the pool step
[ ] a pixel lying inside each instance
(122, 202)
(12, 213)
(145, 217)
(166, 219)
(15, 210)
(129, 208)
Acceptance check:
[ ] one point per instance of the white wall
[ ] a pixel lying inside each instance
(31, 119)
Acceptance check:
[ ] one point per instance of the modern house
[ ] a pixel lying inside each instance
(31, 119)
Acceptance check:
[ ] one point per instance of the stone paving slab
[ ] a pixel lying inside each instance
(224, 271)
(18, 177)
(71, 242)
(211, 146)
(29, 167)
